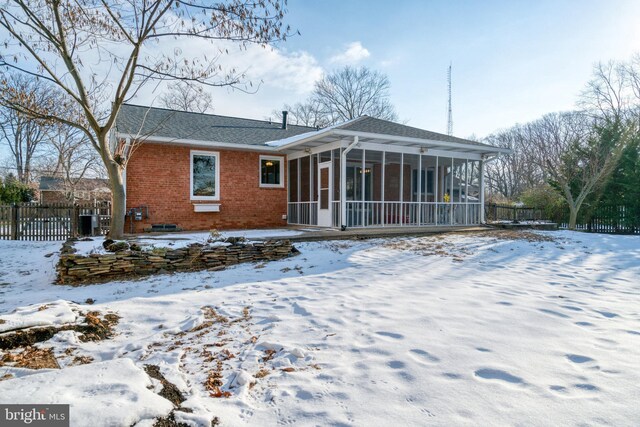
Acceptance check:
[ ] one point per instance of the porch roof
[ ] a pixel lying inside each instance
(381, 134)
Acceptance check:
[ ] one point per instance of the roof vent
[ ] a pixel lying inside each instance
(284, 119)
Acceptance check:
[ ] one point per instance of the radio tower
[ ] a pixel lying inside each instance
(449, 116)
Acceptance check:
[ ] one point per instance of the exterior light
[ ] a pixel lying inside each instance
(268, 163)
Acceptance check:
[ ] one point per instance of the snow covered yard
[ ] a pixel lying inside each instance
(443, 330)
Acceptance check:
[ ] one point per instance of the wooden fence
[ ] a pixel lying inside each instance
(495, 212)
(614, 219)
(54, 221)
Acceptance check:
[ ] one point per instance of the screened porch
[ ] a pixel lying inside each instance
(384, 188)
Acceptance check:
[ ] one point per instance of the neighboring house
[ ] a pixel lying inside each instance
(84, 190)
(202, 171)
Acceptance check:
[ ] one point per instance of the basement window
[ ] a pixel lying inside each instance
(205, 175)
(271, 172)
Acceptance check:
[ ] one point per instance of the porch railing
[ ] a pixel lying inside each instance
(302, 213)
(389, 214)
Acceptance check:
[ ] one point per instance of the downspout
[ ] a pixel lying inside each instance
(343, 182)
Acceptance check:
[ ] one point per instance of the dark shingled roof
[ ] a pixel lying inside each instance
(385, 127)
(160, 122)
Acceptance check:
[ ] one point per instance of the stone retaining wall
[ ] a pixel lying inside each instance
(73, 268)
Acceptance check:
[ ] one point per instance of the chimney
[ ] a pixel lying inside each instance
(284, 119)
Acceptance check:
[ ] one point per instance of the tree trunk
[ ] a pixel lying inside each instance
(118, 202)
(573, 215)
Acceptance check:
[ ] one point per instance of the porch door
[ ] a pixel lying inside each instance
(325, 190)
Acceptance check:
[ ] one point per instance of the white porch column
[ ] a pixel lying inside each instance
(482, 190)
(343, 182)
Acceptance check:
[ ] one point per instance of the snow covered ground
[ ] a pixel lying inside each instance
(442, 330)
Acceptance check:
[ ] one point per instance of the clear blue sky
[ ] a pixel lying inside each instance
(512, 60)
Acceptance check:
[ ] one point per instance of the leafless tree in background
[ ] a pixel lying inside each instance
(632, 69)
(613, 94)
(308, 113)
(73, 159)
(576, 160)
(509, 175)
(22, 134)
(353, 92)
(59, 40)
(343, 95)
(183, 96)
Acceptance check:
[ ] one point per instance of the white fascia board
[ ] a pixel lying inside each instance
(426, 142)
(315, 150)
(294, 141)
(197, 143)
(390, 148)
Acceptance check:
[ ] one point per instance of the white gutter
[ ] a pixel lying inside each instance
(196, 142)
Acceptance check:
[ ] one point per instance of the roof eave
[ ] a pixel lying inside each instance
(424, 142)
(195, 142)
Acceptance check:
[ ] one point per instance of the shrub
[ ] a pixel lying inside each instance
(546, 198)
(13, 191)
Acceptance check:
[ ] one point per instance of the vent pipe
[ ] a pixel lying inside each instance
(284, 119)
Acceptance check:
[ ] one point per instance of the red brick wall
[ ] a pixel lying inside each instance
(158, 177)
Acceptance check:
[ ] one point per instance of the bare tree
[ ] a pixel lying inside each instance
(509, 175)
(308, 113)
(21, 133)
(613, 93)
(577, 161)
(183, 96)
(75, 159)
(99, 53)
(353, 92)
(632, 69)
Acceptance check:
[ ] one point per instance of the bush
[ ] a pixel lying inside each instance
(546, 198)
(13, 191)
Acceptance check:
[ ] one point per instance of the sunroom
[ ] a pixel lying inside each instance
(374, 173)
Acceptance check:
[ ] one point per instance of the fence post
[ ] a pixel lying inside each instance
(14, 221)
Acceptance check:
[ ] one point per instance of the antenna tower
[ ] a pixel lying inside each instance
(449, 115)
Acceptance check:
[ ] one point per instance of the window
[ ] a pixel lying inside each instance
(271, 171)
(205, 175)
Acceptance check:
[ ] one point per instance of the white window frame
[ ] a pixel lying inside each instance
(278, 158)
(215, 154)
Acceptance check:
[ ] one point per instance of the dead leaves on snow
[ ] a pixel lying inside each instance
(214, 382)
(31, 358)
(438, 245)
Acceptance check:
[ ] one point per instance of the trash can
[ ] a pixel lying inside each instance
(85, 225)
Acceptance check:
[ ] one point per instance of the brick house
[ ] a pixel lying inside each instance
(204, 171)
(53, 189)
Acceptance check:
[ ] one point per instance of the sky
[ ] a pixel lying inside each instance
(512, 61)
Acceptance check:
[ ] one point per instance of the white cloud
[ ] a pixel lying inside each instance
(354, 52)
(291, 71)
(280, 76)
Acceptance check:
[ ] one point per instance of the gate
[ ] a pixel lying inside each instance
(54, 221)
